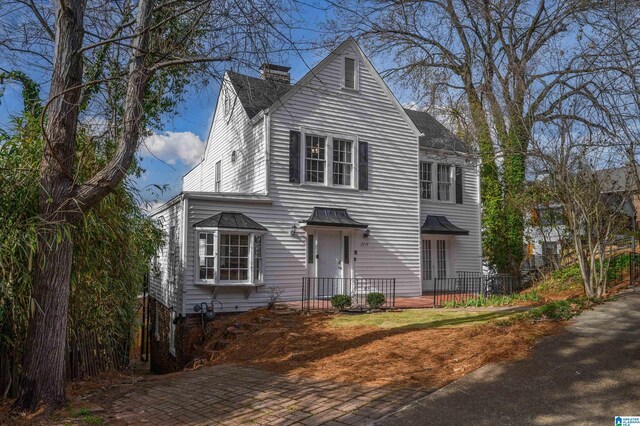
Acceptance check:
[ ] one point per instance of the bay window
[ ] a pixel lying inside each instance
(229, 257)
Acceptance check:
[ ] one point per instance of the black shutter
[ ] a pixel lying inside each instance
(363, 165)
(294, 156)
(459, 185)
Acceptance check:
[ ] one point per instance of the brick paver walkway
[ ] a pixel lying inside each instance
(228, 394)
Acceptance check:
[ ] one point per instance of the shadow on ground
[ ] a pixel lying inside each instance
(586, 375)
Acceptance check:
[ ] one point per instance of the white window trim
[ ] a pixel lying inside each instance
(434, 180)
(328, 175)
(356, 73)
(216, 241)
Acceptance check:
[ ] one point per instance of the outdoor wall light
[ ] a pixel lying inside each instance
(293, 229)
(366, 233)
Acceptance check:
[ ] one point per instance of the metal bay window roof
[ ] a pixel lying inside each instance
(230, 220)
(440, 225)
(327, 216)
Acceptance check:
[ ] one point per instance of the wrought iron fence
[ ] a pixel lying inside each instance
(470, 285)
(317, 292)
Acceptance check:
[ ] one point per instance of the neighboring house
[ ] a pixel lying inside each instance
(330, 178)
(547, 235)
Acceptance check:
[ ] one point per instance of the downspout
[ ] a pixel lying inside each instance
(267, 151)
(183, 247)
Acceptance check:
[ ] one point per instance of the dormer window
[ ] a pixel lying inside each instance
(350, 77)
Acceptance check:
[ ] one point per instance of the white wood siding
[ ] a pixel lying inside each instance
(466, 249)
(164, 286)
(230, 132)
(390, 206)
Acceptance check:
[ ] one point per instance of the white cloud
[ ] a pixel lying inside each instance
(176, 146)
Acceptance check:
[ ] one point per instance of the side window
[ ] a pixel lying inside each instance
(310, 254)
(218, 176)
(206, 256)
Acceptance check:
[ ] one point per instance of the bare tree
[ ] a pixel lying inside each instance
(117, 55)
(576, 163)
(511, 63)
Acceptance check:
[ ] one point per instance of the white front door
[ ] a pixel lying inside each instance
(329, 263)
(435, 260)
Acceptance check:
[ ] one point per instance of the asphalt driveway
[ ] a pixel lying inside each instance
(584, 376)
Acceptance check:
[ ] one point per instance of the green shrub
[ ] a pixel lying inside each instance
(494, 300)
(375, 300)
(341, 301)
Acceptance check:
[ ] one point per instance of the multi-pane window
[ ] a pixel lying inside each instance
(206, 256)
(441, 258)
(234, 257)
(425, 180)
(427, 273)
(315, 158)
(218, 176)
(257, 257)
(350, 73)
(342, 161)
(444, 182)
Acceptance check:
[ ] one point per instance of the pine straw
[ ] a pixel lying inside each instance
(310, 347)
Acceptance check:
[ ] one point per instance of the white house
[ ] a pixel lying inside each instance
(326, 178)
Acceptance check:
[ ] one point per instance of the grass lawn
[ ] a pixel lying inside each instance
(420, 318)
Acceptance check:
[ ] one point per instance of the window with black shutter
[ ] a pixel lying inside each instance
(294, 156)
(363, 165)
(459, 184)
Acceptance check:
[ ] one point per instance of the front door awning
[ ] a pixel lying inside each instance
(327, 216)
(440, 225)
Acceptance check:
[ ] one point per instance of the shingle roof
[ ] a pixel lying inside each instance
(230, 220)
(620, 179)
(256, 94)
(436, 136)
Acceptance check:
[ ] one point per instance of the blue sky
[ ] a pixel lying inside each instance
(177, 146)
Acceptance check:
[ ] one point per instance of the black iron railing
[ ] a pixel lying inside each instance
(471, 285)
(317, 292)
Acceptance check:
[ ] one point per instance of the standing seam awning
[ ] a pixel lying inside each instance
(327, 216)
(440, 225)
(230, 220)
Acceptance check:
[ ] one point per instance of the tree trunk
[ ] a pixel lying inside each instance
(42, 380)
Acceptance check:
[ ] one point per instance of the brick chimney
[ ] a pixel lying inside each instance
(277, 73)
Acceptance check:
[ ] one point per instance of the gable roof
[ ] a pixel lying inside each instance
(621, 179)
(434, 134)
(256, 94)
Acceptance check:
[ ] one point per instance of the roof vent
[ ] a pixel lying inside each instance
(277, 73)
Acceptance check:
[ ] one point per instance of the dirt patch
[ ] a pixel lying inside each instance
(309, 346)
